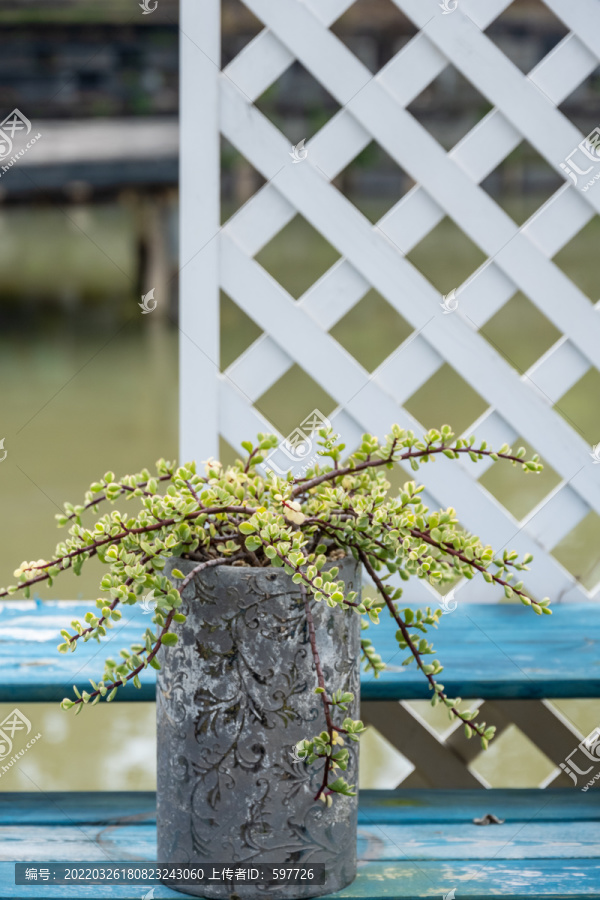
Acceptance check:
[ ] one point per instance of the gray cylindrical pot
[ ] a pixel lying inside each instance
(234, 696)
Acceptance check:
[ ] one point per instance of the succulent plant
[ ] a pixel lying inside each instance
(236, 516)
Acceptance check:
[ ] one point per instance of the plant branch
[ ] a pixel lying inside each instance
(321, 680)
(93, 548)
(409, 642)
(303, 485)
(122, 681)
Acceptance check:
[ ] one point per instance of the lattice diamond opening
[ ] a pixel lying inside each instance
(387, 766)
(446, 256)
(239, 180)
(297, 103)
(579, 406)
(507, 33)
(449, 107)
(581, 106)
(522, 182)
(371, 330)
(238, 27)
(573, 552)
(518, 494)
(286, 255)
(573, 259)
(510, 760)
(449, 400)
(374, 31)
(499, 331)
(238, 331)
(302, 394)
(373, 182)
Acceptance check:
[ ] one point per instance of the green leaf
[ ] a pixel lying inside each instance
(169, 639)
(253, 543)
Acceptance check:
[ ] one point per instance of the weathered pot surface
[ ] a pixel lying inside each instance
(234, 696)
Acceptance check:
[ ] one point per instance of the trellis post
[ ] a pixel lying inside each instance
(199, 227)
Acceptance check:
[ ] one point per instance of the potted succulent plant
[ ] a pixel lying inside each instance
(254, 580)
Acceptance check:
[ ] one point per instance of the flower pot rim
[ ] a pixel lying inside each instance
(271, 572)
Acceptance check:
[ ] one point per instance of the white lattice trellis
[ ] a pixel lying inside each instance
(447, 184)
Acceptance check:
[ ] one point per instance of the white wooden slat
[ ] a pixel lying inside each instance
(492, 139)
(259, 367)
(581, 302)
(554, 294)
(548, 578)
(411, 70)
(561, 511)
(411, 218)
(570, 62)
(561, 366)
(408, 368)
(328, 11)
(489, 288)
(258, 220)
(495, 430)
(483, 147)
(558, 220)
(337, 143)
(264, 59)
(199, 225)
(410, 144)
(484, 293)
(258, 65)
(333, 215)
(551, 574)
(583, 18)
(483, 12)
(237, 419)
(334, 294)
(555, 581)
(264, 362)
(472, 592)
(343, 423)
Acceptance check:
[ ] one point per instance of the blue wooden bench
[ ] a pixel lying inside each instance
(413, 843)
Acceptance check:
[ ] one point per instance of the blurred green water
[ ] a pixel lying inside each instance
(91, 384)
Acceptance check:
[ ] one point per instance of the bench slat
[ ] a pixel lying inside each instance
(412, 843)
(489, 651)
